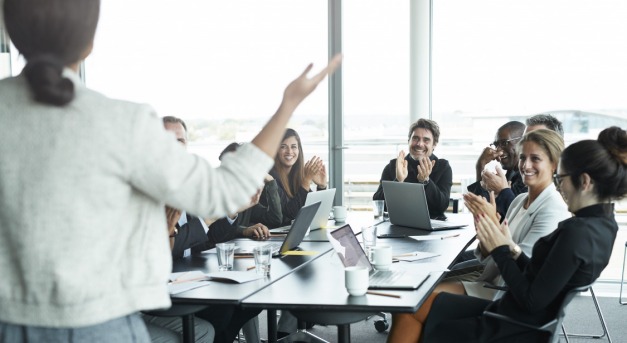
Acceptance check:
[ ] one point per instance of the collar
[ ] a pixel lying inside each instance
(597, 210)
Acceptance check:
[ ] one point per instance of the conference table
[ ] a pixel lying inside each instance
(313, 285)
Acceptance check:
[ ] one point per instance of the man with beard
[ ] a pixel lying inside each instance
(422, 166)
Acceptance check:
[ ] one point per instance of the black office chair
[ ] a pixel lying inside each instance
(550, 328)
(601, 318)
(622, 278)
(186, 312)
(341, 319)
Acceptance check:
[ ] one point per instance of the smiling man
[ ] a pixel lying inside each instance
(506, 182)
(422, 166)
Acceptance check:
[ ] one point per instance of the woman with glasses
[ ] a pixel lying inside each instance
(530, 216)
(591, 174)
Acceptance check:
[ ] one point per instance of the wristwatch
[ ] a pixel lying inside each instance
(516, 251)
(176, 232)
(426, 181)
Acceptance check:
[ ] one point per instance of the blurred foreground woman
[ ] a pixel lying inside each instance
(83, 184)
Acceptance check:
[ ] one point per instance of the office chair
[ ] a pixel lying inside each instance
(186, 312)
(603, 325)
(551, 327)
(622, 278)
(341, 319)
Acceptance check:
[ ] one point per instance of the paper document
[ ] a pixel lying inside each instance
(415, 256)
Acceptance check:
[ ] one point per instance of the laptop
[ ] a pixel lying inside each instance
(325, 198)
(294, 236)
(407, 206)
(351, 253)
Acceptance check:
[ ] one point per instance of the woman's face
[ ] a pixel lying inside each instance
(535, 166)
(564, 184)
(288, 152)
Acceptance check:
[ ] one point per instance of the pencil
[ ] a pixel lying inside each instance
(243, 256)
(451, 236)
(383, 294)
(250, 268)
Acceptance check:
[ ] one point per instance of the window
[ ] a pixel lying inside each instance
(220, 66)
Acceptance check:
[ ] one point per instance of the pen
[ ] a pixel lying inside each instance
(383, 294)
(250, 268)
(189, 280)
(450, 236)
(243, 256)
(405, 255)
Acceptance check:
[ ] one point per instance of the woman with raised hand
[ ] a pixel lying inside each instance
(591, 174)
(83, 184)
(294, 176)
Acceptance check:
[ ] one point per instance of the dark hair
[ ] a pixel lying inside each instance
(229, 148)
(516, 128)
(604, 159)
(293, 180)
(51, 34)
(427, 125)
(547, 120)
(548, 140)
(174, 120)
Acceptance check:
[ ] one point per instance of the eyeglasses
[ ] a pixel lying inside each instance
(558, 178)
(502, 143)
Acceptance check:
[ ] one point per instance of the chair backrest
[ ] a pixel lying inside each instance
(561, 314)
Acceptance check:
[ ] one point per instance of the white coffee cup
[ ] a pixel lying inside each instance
(356, 280)
(382, 257)
(339, 213)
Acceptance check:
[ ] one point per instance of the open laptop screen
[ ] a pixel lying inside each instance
(348, 248)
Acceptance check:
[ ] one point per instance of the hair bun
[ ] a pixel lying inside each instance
(44, 73)
(614, 139)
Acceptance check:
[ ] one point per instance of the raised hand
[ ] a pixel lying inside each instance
(424, 168)
(302, 86)
(401, 167)
(310, 169)
(495, 182)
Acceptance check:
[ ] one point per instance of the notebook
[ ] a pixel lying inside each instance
(325, 198)
(407, 206)
(351, 253)
(293, 238)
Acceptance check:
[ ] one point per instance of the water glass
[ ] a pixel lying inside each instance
(378, 205)
(263, 259)
(226, 253)
(369, 237)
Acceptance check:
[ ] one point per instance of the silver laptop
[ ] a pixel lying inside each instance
(348, 248)
(325, 198)
(407, 206)
(293, 238)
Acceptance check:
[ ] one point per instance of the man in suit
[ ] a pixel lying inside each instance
(505, 181)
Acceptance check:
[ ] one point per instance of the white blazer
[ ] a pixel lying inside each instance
(541, 219)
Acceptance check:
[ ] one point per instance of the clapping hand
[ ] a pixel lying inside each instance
(494, 182)
(401, 167)
(491, 234)
(478, 205)
(424, 168)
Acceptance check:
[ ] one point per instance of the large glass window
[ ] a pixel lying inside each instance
(219, 65)
(495, 61)
(375, 94)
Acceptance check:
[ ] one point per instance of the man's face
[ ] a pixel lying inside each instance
(505, 144)
(421, 143)
(179, 132)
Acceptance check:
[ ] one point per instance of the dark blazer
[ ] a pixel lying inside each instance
(438, 190)
(190, 235)
(289, 206)
(573, 255)
(505, 198)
